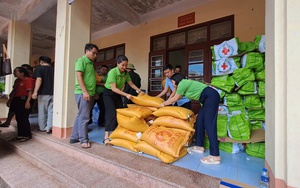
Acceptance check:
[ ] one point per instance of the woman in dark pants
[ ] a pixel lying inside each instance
(207, 116)
(117, 77)
(21, 103)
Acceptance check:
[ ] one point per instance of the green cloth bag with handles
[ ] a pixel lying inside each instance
(233, 99)
(230, 147)
(260, 43)
(256, 114)
(222, 123)
(246, 47)
(252, 101)
(261, 88)
(206, 143)
(248, 89)
(256, 149)
(252, 60)
(263, 101)
(260, 75)
(240, 108)
(225, 83)
(242, 76)
(239, 126)
(255, 125)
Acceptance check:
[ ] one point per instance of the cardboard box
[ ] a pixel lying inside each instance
(256, 136)
(227, 183)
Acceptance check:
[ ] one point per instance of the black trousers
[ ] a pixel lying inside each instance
(112, 101)
(22, 114)
(101, 105)
(207, 120)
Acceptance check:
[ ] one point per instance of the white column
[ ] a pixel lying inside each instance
(282, 92)
(72, 33)
(18, 48)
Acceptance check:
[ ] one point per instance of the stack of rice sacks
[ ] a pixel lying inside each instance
(167, 135)
(239, 77)
(131, 125)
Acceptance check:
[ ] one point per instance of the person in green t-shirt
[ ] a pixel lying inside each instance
(117, 77)
(84, 94)
(207, 116)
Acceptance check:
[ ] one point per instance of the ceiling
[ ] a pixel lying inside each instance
(41, 14)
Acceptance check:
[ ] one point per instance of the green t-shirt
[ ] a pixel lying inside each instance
(191, 89)
(85, 65)
(114, 76)
(100, 89)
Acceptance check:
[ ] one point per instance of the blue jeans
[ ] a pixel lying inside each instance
(80, 128)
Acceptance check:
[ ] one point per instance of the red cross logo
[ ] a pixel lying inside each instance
(224, 66)
(225, 50)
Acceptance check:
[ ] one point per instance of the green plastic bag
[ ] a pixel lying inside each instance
(240, 109)
(263, 101)
(260, 43)
(242, 76)
(233, 99)
(230, 147)
(246, 47)
(223, 109)
(255, 125)
(261, 88)
(225, 49)
(252, 101)
(248, 89)
(222, 123)
(225, 83)
(256, 149)
(260, 75)
(252, 60)
(239, 126)
(206, 143)
(256, 114)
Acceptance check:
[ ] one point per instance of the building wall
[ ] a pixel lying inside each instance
(249, 22)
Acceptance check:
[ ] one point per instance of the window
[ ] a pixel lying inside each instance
(194, 42)
(107, 56)
(110, 53)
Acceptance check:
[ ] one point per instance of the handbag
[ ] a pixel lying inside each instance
(6, 63)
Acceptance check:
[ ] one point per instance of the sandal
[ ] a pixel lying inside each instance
(15, 139)
(106, 141)
(210, 160)
(86, 144)
(195, 149)
(24, 139)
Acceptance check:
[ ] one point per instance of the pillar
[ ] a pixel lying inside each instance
(282, 92)
(18, 49)
(72, 33)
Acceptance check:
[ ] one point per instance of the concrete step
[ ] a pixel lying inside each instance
(102, 166)
(18, 172)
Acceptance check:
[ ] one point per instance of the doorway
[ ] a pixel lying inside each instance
(177, 57)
